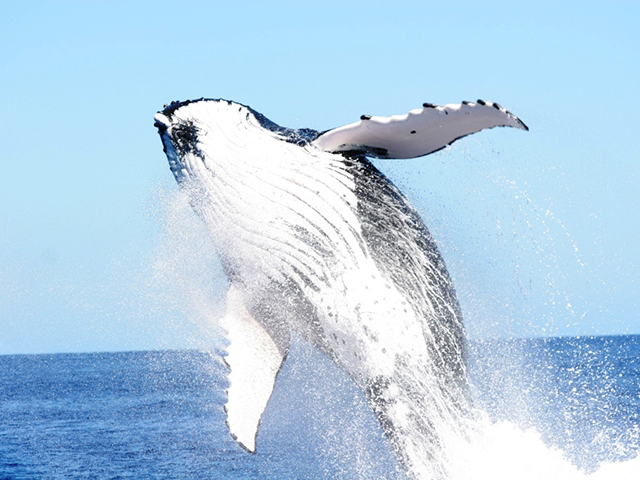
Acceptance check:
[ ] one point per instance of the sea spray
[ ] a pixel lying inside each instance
(513, 383)
(503, 451)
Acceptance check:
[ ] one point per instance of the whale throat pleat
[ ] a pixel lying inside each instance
(259, 196)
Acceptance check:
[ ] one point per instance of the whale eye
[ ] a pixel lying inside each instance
(412, 132)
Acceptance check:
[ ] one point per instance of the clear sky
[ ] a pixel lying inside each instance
(539, 229)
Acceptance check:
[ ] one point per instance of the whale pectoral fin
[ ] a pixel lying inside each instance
(419, 132)
(254, 357)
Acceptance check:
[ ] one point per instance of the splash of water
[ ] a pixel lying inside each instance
(489, 448)
(502, 450)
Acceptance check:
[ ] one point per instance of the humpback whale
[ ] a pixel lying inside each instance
(315, 240)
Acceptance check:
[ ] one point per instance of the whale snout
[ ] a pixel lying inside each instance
(161, 122)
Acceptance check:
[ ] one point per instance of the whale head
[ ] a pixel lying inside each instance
(256, 185)
(188, 128)
(228, 130)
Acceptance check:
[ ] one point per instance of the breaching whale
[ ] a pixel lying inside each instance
(315, 240)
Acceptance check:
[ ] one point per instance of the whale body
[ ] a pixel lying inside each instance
(315, 240)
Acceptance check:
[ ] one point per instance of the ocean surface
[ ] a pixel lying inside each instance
(547, 406)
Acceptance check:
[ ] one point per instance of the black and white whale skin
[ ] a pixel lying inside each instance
(314, 239)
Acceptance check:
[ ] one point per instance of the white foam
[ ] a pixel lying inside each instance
(504, 451)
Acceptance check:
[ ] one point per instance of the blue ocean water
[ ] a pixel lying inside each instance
(159, 414)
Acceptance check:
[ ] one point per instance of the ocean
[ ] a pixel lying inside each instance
(547, 408)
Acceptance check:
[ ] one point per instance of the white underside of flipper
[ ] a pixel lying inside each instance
(254, 357)
(417, 133)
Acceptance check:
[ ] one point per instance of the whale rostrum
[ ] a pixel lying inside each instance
(315, 240)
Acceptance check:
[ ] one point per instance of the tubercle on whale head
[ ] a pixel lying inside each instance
(301, 137)
(164, 119)
(168, 110)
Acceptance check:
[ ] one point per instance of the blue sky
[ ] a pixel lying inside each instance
(539, 228)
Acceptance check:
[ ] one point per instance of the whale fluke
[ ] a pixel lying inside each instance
(417, 133)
